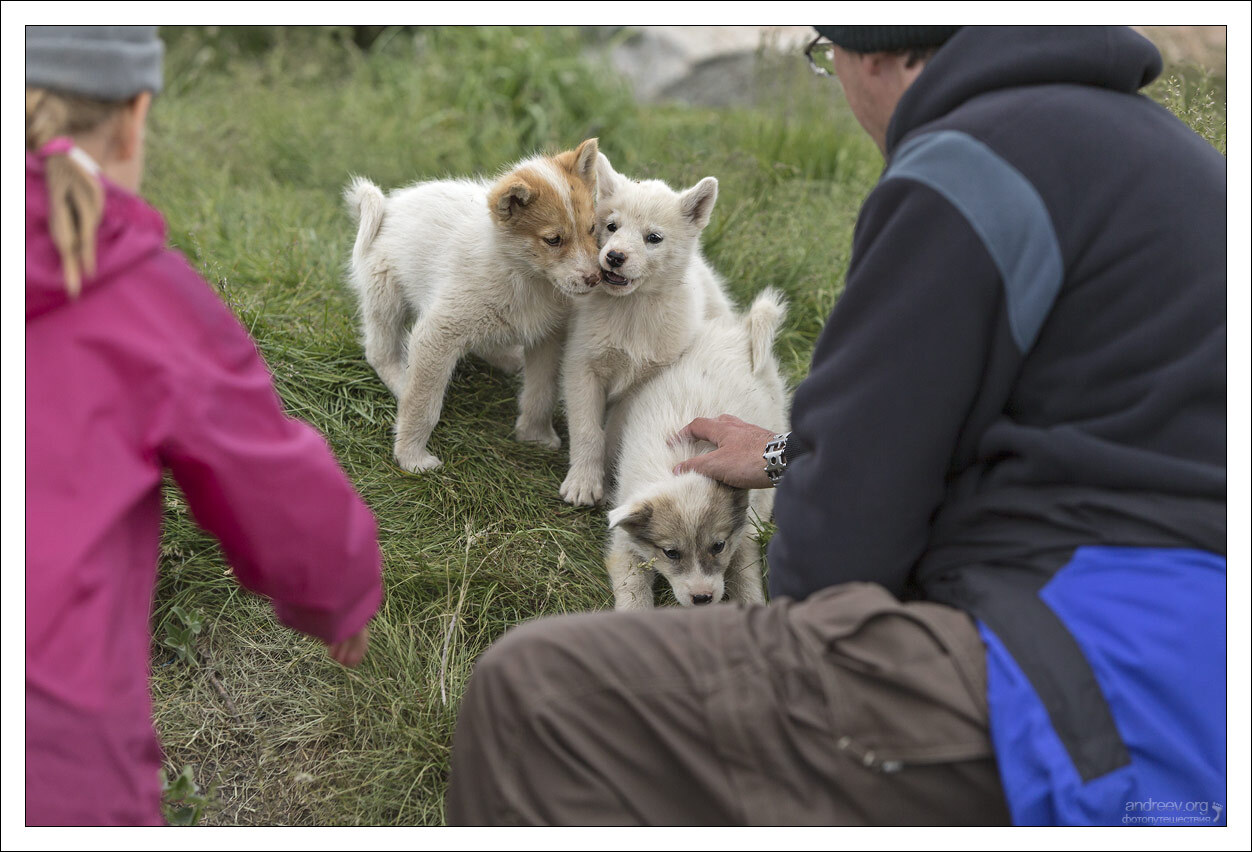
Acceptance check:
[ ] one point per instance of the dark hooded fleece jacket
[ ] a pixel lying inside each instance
(1030, 353)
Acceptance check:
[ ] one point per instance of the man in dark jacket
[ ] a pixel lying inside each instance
(998, 572)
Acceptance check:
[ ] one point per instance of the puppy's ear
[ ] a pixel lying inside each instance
(509, 195)
(606, 179)
(632, 517)
(585, 160)
(697, 203)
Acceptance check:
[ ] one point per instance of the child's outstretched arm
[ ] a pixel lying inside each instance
(268, 486)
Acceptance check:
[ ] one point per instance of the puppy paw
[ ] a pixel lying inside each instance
(581, 488)
(629, 602)
(416, 460)
(532, 433)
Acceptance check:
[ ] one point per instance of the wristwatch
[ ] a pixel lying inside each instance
(776, 458)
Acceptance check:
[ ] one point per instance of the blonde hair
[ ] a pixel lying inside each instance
(75, 198)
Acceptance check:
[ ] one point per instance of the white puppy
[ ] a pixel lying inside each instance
(696, 532)
(448, 267)
(656, 289)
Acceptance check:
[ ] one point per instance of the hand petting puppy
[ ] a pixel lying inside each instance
(738, 460)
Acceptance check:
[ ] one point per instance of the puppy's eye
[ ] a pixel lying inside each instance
(592, 229)
(673, 554)
(718, 546)
(655, 238)
(611, 227)
(552, 241)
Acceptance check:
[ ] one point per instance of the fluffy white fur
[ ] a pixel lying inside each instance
(656, 290)
(730, 368)
(444, 268)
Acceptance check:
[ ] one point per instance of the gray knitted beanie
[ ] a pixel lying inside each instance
(874, 39)
(105, 63)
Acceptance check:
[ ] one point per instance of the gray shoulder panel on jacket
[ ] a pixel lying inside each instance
(1005, 211)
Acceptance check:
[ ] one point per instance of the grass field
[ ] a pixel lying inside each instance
(249, 148)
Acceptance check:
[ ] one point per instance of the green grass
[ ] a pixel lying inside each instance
(249, 148)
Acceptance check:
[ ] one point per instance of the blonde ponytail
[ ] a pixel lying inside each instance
(75, 198)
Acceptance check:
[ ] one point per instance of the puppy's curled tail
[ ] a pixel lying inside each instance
(366, 203)
(762, 322)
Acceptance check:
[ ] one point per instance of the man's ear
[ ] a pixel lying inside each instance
(508, 196)
(632, 517)
(697, 203)
(130, 123)
(873, 64)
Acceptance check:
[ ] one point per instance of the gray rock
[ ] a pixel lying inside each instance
(707, 66)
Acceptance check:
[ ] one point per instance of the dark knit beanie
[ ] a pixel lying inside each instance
(109, 63)
(874, 39)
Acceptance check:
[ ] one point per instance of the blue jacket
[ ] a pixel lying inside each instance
(1028, 362)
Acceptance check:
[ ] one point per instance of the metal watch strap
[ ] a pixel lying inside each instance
(776, 458)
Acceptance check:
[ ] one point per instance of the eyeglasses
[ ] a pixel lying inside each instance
(821, 57)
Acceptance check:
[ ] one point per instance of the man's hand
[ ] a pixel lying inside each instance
(349, 652)
(739, 457)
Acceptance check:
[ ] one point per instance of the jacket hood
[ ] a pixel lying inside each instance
(979, 59)
(130, 230)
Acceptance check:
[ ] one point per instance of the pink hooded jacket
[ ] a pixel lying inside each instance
(148, 370)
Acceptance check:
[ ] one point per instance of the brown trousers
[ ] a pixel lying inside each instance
(849, 708)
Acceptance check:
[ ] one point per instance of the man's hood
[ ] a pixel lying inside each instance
(129, 231)
(978, 60)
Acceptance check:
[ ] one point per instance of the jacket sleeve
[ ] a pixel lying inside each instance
(267, 486)
(894, 375)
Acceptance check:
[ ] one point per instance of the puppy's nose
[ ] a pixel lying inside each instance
(701, 600)
(591, 279)
(615, 259)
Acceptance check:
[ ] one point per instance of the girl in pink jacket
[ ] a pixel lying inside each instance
(134, 366)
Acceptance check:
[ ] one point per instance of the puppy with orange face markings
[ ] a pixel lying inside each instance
(446, 268)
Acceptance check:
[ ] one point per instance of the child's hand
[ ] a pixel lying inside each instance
(349, 652)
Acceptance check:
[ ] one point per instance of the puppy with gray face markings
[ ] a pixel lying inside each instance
(696, 532)
(656, 290)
